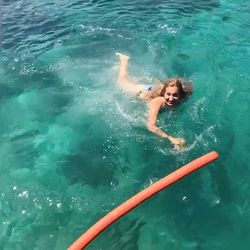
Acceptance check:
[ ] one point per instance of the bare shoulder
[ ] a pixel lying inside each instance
(157, 102)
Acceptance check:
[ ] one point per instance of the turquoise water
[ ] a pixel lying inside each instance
(73, 146)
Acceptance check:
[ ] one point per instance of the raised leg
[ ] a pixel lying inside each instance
(124, 80)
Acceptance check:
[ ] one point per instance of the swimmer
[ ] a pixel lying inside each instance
(160, 96)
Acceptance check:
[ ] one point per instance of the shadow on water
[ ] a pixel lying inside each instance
(219, 175)
(92, 163)
(124, 235)
(183, 205)
(89, 166)
(197, 203)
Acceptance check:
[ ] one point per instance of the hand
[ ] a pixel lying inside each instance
(177, 142)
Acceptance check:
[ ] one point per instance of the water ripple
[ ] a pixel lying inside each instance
(36, 26)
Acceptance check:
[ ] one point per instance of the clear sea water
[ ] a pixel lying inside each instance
(73, 146)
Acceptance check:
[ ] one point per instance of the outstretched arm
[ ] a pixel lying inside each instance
(154, 109)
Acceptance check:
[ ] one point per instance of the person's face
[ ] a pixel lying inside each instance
(172, 96)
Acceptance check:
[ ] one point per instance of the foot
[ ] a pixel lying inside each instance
(122, 57)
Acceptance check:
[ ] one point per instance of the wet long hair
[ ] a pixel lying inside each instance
(185, 88)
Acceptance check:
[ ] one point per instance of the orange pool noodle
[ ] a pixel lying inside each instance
(137, 199)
